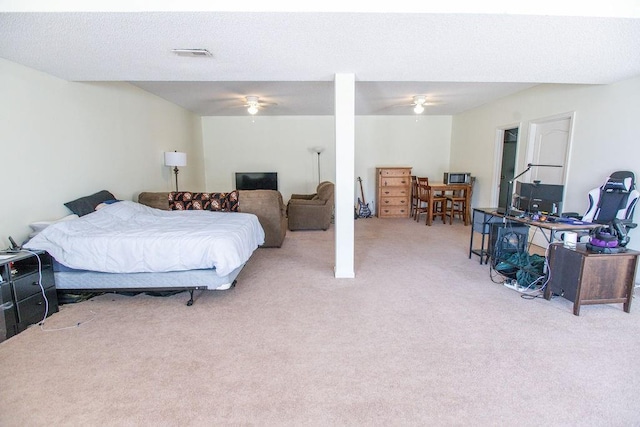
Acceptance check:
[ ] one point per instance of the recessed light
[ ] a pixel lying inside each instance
(192, 52)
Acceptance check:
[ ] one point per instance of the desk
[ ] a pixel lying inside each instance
(442, 187)
(489, 215)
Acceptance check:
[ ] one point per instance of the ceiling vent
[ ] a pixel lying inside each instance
(192, 52)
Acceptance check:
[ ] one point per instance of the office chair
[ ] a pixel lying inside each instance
(612, 205)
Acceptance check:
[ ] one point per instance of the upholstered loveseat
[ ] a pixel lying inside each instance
(312, 211)
(267, 205)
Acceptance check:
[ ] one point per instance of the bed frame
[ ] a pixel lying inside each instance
(83, 281)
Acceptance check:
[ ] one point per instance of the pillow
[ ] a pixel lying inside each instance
(186, 200)
(86, 205)
(38, 226)
(232, 201)
(105, 203)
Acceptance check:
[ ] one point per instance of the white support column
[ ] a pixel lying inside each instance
(345, 174)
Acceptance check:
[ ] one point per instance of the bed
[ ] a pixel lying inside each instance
(127, 246)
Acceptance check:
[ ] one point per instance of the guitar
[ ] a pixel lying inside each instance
(363, 207)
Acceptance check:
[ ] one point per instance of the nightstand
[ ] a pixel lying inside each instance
(22, 302)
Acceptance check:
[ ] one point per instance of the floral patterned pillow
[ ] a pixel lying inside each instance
(187, 200)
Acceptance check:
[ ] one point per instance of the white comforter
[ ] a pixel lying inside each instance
(127, 237)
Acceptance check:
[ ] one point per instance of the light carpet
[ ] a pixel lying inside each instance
(421, 336)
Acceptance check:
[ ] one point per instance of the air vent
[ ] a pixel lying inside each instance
(192, 52)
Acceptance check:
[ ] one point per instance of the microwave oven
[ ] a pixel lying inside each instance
(457, 178)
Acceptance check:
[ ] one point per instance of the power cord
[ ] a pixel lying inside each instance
(530, 292)
(46, 300)
(44, 295)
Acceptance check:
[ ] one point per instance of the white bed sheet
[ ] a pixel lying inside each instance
(128, 237)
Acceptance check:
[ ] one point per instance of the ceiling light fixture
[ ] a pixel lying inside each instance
(253, 104)
(419, 101)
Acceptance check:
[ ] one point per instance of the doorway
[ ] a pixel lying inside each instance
(508, 166)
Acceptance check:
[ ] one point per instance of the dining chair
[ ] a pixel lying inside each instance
(415, 197)
(422, 200)
(457, 203)
(439, 208)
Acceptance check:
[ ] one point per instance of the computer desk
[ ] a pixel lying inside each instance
(483, 217)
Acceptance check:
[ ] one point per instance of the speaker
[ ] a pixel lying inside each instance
(505, 240)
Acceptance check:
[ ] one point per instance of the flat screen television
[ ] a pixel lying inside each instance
(256, 180)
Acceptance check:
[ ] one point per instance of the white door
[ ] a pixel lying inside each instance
(550, 147)
(549, 144)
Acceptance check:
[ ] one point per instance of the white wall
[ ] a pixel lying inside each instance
(422, 142)
(283, 145)
(269, 144)
(63, 140)
(606, 135)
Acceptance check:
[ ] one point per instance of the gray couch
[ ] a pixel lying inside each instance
(267, 205)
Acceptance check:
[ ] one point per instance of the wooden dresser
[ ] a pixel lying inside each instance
(393, 192)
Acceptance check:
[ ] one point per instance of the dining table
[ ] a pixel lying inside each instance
(444, 188)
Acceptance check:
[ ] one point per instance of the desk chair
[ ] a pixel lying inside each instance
(616, 198)
(613, 204)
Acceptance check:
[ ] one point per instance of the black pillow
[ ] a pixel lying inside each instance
(86, 205)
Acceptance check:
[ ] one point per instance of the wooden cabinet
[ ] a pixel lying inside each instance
(586, 277)
(26, 278)
(393, 192)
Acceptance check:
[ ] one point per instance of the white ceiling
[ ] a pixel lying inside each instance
(459, 60)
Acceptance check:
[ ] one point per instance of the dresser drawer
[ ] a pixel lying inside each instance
(406, 172)
(394, 182)
(394, 211)
(27, 285)
(394, 192)
(32, 309)
(394, 201)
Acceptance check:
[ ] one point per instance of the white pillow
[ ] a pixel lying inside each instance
(41, 225)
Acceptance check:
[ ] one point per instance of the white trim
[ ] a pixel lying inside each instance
(497, 158)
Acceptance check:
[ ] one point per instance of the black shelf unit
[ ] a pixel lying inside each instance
(22, 300)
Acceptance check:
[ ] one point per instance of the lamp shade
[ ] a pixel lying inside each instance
(174, 158)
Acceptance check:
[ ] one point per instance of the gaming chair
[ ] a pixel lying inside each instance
(612, 205)
(616, 198)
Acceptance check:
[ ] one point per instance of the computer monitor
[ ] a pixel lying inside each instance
(538, 197)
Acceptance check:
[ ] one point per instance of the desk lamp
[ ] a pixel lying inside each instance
(510, 189)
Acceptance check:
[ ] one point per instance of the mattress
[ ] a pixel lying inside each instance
(127, 237)
(69, 279)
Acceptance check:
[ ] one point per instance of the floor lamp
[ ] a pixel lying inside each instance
(175, 159)
(318, 151)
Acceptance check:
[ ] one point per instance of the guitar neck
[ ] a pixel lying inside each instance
(361, 191)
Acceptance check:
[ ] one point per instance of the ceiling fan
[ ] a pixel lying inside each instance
(418, 104)
(254, 104)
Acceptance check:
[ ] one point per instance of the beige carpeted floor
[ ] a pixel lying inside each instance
(421, 336)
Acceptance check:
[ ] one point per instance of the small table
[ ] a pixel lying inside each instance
(441, 186)
(586, 277)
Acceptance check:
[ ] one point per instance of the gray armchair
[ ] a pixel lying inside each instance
(311, 211)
